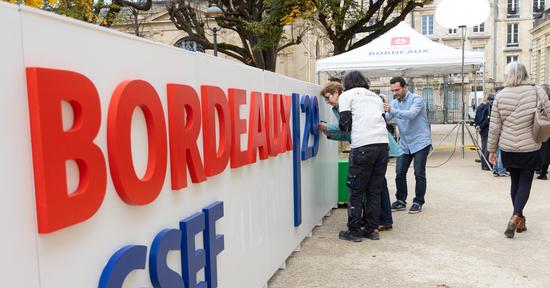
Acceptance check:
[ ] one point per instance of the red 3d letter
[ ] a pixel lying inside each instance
(52, 147)
(257, 137)
(184, 120)
(128, 96)
(286, 136)
(237, 97)
(214, 100)
(272, 123)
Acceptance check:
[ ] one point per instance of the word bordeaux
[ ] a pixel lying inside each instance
(395, 52)
(269, 134)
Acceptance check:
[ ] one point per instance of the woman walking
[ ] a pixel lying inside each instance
(511, 128)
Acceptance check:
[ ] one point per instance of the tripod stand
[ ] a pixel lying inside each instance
(462, 125)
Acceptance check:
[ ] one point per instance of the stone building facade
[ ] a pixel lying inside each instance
(297, 61)
(504, 37)
(540, 54)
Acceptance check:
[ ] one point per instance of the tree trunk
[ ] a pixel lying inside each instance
(340, 46)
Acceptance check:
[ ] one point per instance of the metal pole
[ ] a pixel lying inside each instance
(445, 98)
(215, 41)
(475, 93)
(462, 70)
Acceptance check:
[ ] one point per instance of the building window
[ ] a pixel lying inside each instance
(479, 49)
(453, 31)
(512, 35)
(513, 8)
(512, 58)
(479, 28)
(538, 6)
(428, 25)
(190, 45)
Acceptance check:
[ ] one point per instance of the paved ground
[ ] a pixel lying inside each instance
(456, 241)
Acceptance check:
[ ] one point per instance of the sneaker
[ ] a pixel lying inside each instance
(415, 208)
(542, 177)
(349, 236)
(372, 235)
(495, 174)
(505, 174)
(398, 205)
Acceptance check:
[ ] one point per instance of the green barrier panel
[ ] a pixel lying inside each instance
(343, 168)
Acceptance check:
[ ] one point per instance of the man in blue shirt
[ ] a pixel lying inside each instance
(410, 114)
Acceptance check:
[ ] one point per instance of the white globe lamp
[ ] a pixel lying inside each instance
(462, 14)
(457, 13)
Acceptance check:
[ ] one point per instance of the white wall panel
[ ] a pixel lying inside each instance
(19, 264)
(258, 198)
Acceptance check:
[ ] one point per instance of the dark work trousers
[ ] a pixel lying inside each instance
(403, 162)
(484, 152)
(385, 207)
(367, 170)
(520, 188)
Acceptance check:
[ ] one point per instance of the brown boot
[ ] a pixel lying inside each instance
(521, 225)
(511, 227)
(385, 227)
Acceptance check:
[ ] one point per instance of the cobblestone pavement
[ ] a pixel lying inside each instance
(457, 241)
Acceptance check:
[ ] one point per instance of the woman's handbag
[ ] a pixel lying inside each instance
(541, 123)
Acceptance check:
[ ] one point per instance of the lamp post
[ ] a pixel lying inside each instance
(462, 14)
(46, 6)
(213, 12)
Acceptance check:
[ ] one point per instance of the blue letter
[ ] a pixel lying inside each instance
(310, 106)
(296, 159)
(192, 260)
(161, 275)
(213, 243)
(123, 262)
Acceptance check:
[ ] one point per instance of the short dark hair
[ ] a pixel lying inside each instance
(399, 79)
(355, 79)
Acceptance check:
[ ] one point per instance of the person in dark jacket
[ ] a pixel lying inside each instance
(482, 126)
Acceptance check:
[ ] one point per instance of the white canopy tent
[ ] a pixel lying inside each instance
(403, 51)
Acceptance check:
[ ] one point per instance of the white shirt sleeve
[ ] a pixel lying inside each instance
(344, 102)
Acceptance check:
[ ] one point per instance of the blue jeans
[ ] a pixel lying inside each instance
(499, 168)
(385, 206)
(403, 163)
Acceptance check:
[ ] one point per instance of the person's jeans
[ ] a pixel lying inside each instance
(484, 152)
(499, 168)
(403, 163)
(520, 188)
(367, 170)
(543, 169)
(385, 207)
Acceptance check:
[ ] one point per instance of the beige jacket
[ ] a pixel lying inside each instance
(512, 115)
